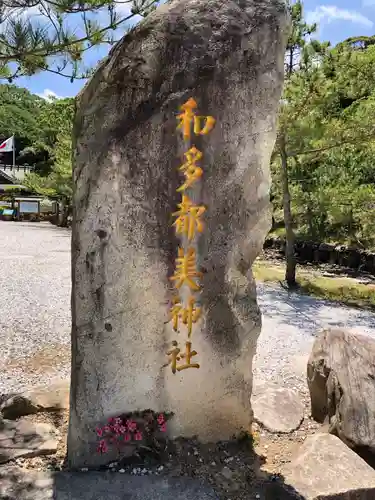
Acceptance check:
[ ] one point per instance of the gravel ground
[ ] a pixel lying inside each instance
(290, 324)
(35, 303)
(35, 314)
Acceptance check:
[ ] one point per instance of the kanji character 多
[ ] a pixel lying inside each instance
(191, 171)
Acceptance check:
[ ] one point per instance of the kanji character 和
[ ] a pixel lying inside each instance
(188, 218)
(187, 117)
(186, 270)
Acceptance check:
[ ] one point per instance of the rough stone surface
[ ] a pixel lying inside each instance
(278, 409)
(341, 380)
(326, 469)
(25, 439)
(51, 398)
(229, 57)
(21, 484)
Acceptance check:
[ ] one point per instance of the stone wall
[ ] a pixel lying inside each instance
(310, 251)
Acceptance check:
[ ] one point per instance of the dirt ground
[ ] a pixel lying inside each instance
(238, 470)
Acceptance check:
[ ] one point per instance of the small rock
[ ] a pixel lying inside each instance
(213, 463)
(196, 452)
(160, 468)
(326, 468)
(122, 471)
(257, 495)
(278, 409)
(134, 471)
(84, 469)
(227, 473)
(51, 398)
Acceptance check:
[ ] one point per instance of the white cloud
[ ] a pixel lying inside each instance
(324, 14)
(49, 95)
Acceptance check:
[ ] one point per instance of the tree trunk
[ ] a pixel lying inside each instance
(290, 273)
(64, 214)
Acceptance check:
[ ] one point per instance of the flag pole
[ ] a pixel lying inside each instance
(14, 152)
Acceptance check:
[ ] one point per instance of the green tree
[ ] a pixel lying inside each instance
(327, 158)
(58, 184)
(53, 35)
(20, 115)
(300, 83)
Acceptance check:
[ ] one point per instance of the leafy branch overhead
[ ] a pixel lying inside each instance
(53, 35)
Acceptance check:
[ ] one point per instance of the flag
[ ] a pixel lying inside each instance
(7, 145)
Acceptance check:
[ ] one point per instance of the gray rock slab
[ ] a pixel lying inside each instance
(278, 409)
(341, 380)
(51, 398)
(326, 469)
(21, 484)
(227, 59)
(25, 439)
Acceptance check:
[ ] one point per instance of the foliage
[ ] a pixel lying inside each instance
(54, 35)
(326, 121)
(58, 117)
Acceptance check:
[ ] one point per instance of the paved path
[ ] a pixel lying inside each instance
(35, 313)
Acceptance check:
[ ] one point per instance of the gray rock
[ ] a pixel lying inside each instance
(341, 380)
(228, 56)
(21, 484)
(326, 469)
(278, 409)
(51, 398)
(25, 439)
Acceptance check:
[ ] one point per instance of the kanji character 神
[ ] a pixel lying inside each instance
(188, 219)
(191, 171)
(188, 315)
(187, 117)
(186, 270)
(175, 355)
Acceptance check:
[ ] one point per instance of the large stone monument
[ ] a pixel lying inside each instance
(221, 60)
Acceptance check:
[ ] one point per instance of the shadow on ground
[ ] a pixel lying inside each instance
(309, 313)
(238, 480)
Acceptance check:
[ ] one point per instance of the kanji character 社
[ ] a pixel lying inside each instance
(186, 270)
(188, 219)
(191, 171)
(175, 355)
(187, 117)
(188, 355)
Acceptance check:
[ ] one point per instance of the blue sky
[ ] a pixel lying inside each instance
(337, 19)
